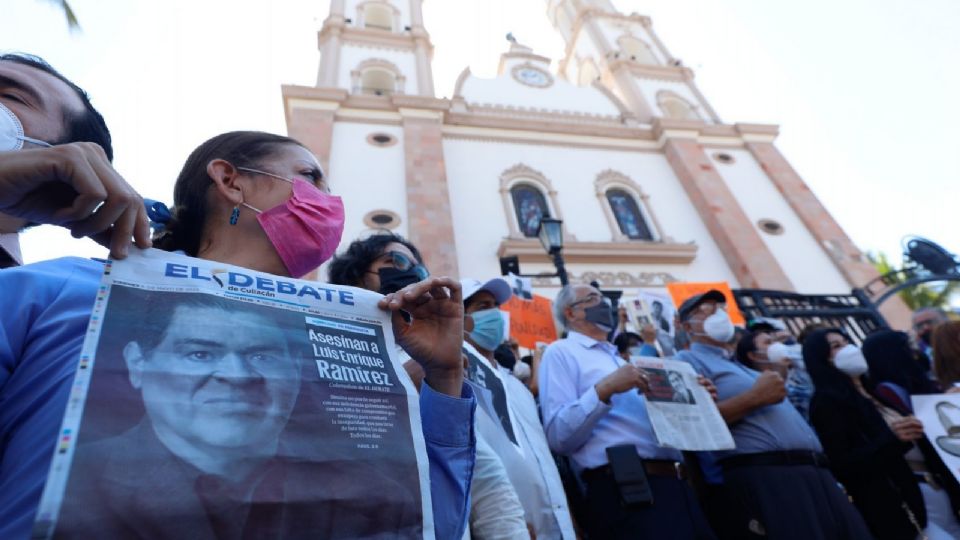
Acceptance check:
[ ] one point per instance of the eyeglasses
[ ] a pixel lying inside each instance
(592, 299)
(401, 262)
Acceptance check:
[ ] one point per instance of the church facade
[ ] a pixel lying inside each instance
(619, 143)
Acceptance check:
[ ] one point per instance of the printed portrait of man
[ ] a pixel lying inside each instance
(219, 381)
(656, 313)
(681, 394)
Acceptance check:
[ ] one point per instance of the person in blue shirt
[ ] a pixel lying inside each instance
(593, 400)
(47, 306)
(776, 483)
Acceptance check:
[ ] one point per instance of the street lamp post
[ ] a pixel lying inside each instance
(550, 233)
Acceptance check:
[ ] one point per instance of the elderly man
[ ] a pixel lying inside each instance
(57, 163)
(593, 408)
(517, 434)
(925, 321)
(776, 483)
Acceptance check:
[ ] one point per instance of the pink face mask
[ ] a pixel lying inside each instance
(306, 229)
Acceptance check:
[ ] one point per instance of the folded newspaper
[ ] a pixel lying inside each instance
(681, 411)
(212, 401)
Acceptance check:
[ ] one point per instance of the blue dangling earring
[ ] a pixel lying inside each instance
(235, 215)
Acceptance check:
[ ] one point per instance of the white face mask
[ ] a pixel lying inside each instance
(719, 327)
(521, 371)
(850, 360)
(778, 352)
(11, 132)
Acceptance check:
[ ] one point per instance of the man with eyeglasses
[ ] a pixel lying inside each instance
(593, 408)
(775, 483)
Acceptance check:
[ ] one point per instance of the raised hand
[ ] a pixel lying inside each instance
(74, 186)
(434, 335)
(626, 377)
(769, 388)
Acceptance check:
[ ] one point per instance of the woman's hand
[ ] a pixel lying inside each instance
(434, 335)
(907, 429)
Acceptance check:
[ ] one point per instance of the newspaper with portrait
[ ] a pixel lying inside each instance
(212, 401)
(681, 410)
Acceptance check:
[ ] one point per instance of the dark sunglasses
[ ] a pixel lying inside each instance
(404, 263)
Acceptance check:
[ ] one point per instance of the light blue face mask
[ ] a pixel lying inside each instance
(488, 329)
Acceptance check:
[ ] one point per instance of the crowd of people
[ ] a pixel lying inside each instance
(557, 443)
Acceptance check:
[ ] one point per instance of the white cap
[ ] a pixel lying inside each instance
(10, 243)
(498, 287)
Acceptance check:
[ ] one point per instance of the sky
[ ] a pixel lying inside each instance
(864, 91)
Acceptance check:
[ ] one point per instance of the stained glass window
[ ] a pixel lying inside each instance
(530, 206)
(627, 213)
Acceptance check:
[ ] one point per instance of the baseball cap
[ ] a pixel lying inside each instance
(690, 304)
(498, 287)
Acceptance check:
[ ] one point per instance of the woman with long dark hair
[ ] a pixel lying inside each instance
(866, 454)
(894, 376)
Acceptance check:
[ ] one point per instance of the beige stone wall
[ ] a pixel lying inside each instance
(428, 199)
(747, 255)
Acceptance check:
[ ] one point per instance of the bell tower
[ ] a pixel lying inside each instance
(376, 47)
(624, 54)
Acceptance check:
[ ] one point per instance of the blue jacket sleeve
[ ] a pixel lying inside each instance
(451, 447)
(46, 307)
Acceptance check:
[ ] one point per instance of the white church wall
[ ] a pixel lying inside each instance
(650, 88)
(473, 173)
(352, 55)
(803, 260)
(367, 177)
(613, 30)
(402, 6)
(560, 96)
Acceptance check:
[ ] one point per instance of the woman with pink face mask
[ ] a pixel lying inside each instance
(248, 199)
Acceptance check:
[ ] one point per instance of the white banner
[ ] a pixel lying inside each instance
(212, 401)
(682, 412)
(940, 414)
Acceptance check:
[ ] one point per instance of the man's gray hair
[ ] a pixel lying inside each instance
(565, 297)
(941, 314)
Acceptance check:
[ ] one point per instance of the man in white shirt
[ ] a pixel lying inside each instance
(592, 400)
(513, 428)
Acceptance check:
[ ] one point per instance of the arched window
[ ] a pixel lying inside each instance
(378, 16)
(637, 50)
(377, 82)
(674, 106)
(530, 206)
(627, 213)
(588, 73)
(627, 209)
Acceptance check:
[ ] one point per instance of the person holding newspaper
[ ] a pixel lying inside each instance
(385, 263)
(594, 412)
(778, 462)
(248, 199)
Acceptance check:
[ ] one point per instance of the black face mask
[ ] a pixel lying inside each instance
(600, 314)
(392, 280)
